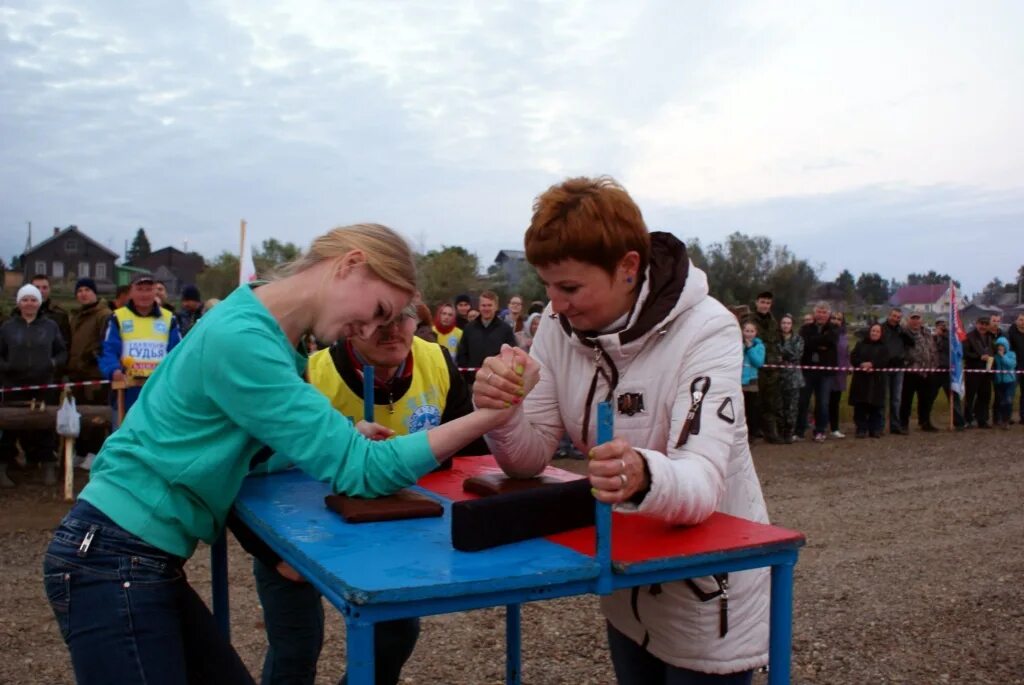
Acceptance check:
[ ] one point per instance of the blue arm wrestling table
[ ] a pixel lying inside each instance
(376, 572)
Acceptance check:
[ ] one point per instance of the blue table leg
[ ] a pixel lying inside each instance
(513, 638)
(780, 646)
(359, 648)
(219, 573)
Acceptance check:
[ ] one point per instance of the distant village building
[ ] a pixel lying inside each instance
(924, 299)
(511, 263)
(68, 255)
(975, 311)
(172, 266)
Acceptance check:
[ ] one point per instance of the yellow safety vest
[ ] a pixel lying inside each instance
(143, 340)
(420, 408)
(450, 340)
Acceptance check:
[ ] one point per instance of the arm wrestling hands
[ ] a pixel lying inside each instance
(617, 471)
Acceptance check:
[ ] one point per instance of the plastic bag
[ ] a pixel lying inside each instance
(68, 419)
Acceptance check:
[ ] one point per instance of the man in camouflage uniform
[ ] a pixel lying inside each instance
(769, 389)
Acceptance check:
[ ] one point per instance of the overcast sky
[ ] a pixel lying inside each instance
(872, 136)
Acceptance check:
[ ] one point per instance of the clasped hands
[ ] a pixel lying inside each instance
(616, 470)
(504, 380)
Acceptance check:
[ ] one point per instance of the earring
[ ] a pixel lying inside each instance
(629, 279)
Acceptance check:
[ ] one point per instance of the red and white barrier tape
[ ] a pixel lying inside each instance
(51, 385)
(816, 367)
(811, 367)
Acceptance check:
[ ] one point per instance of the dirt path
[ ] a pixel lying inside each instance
(914, 573)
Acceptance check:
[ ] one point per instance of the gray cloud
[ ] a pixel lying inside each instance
(444, 120)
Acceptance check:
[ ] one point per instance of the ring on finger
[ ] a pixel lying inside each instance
(622, 476)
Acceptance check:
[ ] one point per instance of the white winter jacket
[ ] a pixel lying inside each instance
(676, 336)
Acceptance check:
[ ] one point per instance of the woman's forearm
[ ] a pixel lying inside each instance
(450, 437)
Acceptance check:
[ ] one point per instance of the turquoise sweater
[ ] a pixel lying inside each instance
(753, 359)
(171, 472)
(1005, 362)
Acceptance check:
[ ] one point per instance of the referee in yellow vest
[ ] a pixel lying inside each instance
(417, 387)
(139, 335)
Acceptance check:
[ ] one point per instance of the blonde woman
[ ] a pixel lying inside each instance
(167, 479)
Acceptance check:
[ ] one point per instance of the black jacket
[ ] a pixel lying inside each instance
(820, 344)
(942, 350)
(30, 353)
(869, 388)
(976, 345)
(896, 340)
(53, 311)
(479, 341)
(1016, 339)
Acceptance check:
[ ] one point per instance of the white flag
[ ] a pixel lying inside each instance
(246, 267)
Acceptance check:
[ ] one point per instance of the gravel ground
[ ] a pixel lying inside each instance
(912, 574)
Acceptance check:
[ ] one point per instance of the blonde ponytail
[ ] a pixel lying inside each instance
(388, 255)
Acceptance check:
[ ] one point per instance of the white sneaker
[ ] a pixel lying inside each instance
(798, 438)
(838, 434)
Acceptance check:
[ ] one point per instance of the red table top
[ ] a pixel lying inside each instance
(635, 538)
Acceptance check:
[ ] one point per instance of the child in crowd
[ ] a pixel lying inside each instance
(753, 359)
(1005, 382)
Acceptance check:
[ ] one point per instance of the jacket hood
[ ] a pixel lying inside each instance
(671, 286)
(1002, 340)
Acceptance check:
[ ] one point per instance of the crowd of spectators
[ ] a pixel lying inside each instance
(794, 378)
(123, 338)
(886, 370)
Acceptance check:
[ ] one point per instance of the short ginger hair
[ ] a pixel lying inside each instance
(592, 220)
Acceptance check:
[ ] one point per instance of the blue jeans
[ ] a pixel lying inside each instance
(126, 610)
(634, 665)
(294, 616)
(819, 384)
(895, 383)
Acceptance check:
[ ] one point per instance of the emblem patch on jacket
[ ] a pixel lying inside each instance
(725, 411)
(631, 403)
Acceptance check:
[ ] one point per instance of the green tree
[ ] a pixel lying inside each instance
(791, 281)
(445, 273)
(530, 287)
(930, 278)
(872, 288)
(140, 248)
(695, 252)
(743, 266)
(846, 284)
(220, 276)
(273, 254)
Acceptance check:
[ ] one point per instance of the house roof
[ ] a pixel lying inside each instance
(510, 254)
(64, 232)
(918, 294)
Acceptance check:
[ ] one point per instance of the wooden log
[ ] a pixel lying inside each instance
(24, 418)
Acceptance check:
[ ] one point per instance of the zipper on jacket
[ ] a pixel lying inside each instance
(612, 379)
(698, 391)
(722, 580)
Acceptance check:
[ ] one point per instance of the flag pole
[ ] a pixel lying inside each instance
(951, 326)
(241, 249)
